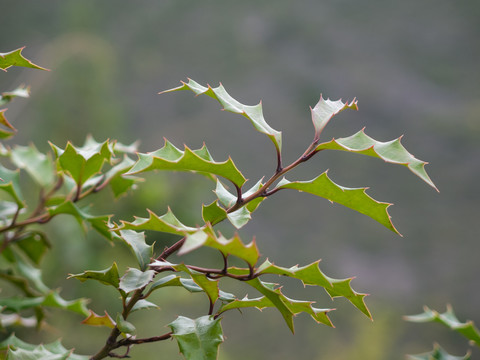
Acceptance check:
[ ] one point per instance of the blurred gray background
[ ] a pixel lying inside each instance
(412, 65)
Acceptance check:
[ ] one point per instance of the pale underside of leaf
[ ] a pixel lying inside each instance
(353, 198)
(391, 151)
(252, 113)
(324, 110)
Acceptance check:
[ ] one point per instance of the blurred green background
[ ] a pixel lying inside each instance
(413, 66)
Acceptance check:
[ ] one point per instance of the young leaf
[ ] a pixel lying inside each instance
(173, 159)
(252, 113)
(450, 320)
(390, 151)
(107, 277)
(39, 166)
(437, 354)
(199, 338)
(353, 198)
(97, 320)
(323, 112)
(136, 241)
(15, 58)
(135, 279)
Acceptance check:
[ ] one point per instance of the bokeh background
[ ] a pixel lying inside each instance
(413, 66)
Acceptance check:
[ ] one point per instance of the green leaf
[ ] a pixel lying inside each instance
(97, 320)
(295, 306)
(450, 320)
(144, 305)
(437, 354)
(43, 352)
(99, 223)
(125, 326)
(234, 246)
(167, 223)
(136, 242)
(83, 162)
(173, 159)
(390, 151)
(135, 279)
(15, 58)
(312, 275)
(8, 96)
(53, 299)
(107, 277)
(39, 166)
(10, 131)
(118, 183)
(34, 244)
(241, 216)
(213, 213)
(353, 198)
(323, 112)
(198, 339)
(252, 113)
(10, 183)
(174, 280)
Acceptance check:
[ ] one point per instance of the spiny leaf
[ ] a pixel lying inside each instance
(97, 320)
(173, 159)
(241, 216)
(125, 326)
(39, 166)
(144, 305)
(312, 275)
(99, 223)
(390, 151)
(118, 183)
(325, 110)
(213, 213)
(39, 353)
(10, 183)
(296, 306)
(107, 277)
(7, 96)
(10, 131)
(234, 246)
(167, 223)
(135, 279)
(53, 299)
(449, 319)
(252, 113)
(15, 58)
(136, 241)
(174, 280)
(437, 354)
(34, 244)
(353, 198)
(198, 339)
(83, 162)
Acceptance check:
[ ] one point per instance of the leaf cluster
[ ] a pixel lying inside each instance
(68, 175)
